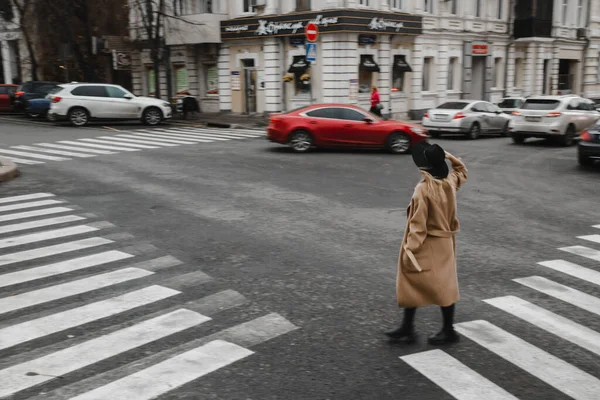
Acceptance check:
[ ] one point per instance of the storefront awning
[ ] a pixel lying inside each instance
(368, 64)
(401, 65)
(299, 66)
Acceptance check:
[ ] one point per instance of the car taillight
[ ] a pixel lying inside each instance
(585, 136)
(516, 113)
(19, 94)
(426, 115)
(459, 115)
(56, 99)
(553, 114)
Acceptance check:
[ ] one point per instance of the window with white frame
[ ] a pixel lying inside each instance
(497, 73)
(453, 7)
(204, 7)
(428, 6)
(427, 74)
(565, 9)
(212, 79)
(478, 8)
(366, 3)
(580, 20)
(397, 4)
(500, 10)
(452, 71)
(249, 5)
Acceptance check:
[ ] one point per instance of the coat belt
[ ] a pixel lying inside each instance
(441, 234)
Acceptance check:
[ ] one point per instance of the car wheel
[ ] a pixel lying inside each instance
(435, 134)
(78, 116)
(585, 161)
(569, 136)
(518, 139)
(474, 132)
(152, 116)
(398, 143)
(506, 129)
(301, 141)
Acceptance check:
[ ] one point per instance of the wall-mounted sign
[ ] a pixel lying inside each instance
(235, 80)
(479, 49)
(297, 41)
(367, 40)
(341, 20)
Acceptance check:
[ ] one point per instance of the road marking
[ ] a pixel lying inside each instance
(51, 293)
(45, 235)
(100, 141)
(112, 129)
(137, 139)
(33, 196)
(60, 152)
(546, 367)
(39, 223)
(62, 267)
(33, 155)
(562, 292)
(47, 251)
(575, 270)
(60, 146)
(226, 132)
(186, 137)
(166, 138)
(23, 161)
(591, 238)
(37, 328)
(170, 374)
(97, 146)
(555, 324)
(583, 251)
(217, 134)
(35, 213)
(19, 377)
(32, 204)
(458, 380)
(596, 226)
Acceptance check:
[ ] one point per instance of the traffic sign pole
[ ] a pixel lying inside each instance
(312, 34)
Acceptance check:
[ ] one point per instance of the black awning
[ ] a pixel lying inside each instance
(299, 66)
(368, 64)
(401, 65)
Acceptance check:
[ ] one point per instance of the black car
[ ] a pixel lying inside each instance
(589, 146)
(31, 90)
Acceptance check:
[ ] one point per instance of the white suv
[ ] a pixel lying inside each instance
(81, 102)
(557, 117)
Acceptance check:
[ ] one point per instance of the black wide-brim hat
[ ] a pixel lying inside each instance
(431, 158)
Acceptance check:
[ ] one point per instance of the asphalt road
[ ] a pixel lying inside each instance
(304, 248)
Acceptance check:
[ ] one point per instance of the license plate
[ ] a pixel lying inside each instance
(533, 119)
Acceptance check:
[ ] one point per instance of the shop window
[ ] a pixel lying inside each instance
(181, 80)
(427, 75)
(302, 5)
(365, 73)
(300, 69)
(204, 6)
(397, 4)
(150, 82)
(212, 80)
(497, 74)
(452, 71)
(399, 68)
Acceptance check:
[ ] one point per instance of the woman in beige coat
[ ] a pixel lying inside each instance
(427, 262)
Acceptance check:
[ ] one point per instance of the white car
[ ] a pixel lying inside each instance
(81, 102)
(555, 117)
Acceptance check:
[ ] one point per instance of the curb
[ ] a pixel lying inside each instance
(8, 170)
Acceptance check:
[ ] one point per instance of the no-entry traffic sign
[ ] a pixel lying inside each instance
(312, 32)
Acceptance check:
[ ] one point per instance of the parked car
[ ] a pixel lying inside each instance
(510, 104)
(471, 118)
(588, 148)
(553, 117)
(37, 108)
(6, 96)
(81, 102)
(31, 90)
(341, 125)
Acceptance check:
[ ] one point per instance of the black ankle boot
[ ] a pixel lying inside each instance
(445, 336)
(403, 334)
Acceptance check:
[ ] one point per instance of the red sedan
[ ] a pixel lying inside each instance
(341, 125)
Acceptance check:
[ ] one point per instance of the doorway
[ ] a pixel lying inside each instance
(249, 86)
(478, 81)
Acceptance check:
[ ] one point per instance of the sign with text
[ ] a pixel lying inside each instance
(479, 49)
(236, 83)
(311, 52)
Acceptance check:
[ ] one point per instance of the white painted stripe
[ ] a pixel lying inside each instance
(32, 204)
(170, 374)
(221, 135)
(206, 136)
(47, 251)
(550, 322)
(137, 139)
(35, 213)
(37, 328)
(97, 146)
(60, 152)
(51, 293)
(33, 155)
(458, 380)
(226, 132)
(111, 142)
(39, 223)
(160, 138)
(575, 270)
(62, 362)
(33, 196)
(60, 146)
(188, 137)
(23, 161)
(45, 235)
(62, 267)
(546, 367)
(562, 292)
(583, 251)
(591, 238)
(171, 136)
(596, 226)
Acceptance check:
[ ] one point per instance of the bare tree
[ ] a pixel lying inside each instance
(24, 11)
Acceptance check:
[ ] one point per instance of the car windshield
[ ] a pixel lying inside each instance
(509, 103)
(540, 104)
(453, 105)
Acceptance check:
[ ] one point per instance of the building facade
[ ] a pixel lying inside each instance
(10, 48)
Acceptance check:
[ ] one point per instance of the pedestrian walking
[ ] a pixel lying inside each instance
(376, 102)
(427, 262)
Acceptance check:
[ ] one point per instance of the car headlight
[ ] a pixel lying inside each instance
(165, 104)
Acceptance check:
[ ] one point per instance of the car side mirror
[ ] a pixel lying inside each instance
(368, 120)
(128, 97)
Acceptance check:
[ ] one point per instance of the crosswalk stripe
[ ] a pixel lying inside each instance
(110, 142)
(62, 267)
(591, 238)
(33, 155)
(18, 378)
(575, 270)
(171, 136)
(138, 139)
(208, 137)
(583, 251)
(458, 380)
(51, 293)
(19, 160)
(596, 226)
(37, 328)
(45, 235)
(550, 322)
(544, 366)
(32, 204)
(97, 146)
(171, 374)
(27, 255)
(162, 138)
(185, 136)
(33, 196)
(562, 292)
(217, 134)
(227, 132)
(39, 223)
(35, 213)
(138, 143)
(60, 146)
(60, 152)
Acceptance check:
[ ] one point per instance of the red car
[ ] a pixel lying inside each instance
(6, 94)
(341, 125)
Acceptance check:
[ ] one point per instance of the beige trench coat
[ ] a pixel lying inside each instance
(427, 262)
